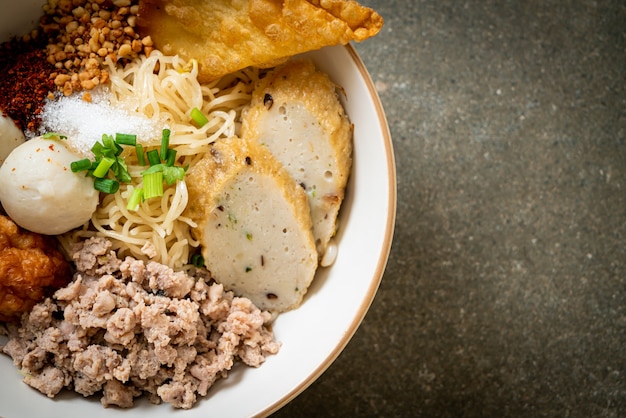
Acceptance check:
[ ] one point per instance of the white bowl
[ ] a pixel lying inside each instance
(313, 335)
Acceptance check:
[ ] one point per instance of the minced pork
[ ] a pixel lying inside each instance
(126, 328)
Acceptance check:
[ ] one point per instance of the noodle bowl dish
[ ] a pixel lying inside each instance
(154, 328)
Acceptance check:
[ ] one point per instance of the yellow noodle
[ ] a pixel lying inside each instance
(165, 89)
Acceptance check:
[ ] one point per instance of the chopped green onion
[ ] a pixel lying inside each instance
(171, 157)
(109, 168)
(152, 184)
(197, 260)
(153, 157)
(135, 199)
(141, 158)
(103, 167)
(53, 135)
(97, 149)
(109, 142)
(80, 165)
(126, 139)
(106, 185)
(165, 143)
(198, 117)
(120, 169)
(170, 173)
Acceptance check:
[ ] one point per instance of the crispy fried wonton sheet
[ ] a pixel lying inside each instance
(227, 35)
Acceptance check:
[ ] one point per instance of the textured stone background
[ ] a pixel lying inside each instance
(505, 292)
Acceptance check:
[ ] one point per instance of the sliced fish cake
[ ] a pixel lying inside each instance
(253, 223)
(296, 113)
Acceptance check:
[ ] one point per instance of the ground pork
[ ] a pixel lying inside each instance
(125, 328)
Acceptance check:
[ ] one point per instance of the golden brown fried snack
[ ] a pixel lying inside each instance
(227, 35)
(30, 268)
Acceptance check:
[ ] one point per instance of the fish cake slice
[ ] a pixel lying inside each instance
(296, 113)
(253, 223)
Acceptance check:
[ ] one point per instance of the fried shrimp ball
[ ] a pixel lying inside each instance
(31, 267)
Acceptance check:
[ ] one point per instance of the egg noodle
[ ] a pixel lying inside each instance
(165, 89)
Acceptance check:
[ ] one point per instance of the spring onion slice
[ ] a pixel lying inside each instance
(80, 165)
(111, 145)
(152, 184)
(165, 143)
(198, 117)
(135, 199)
(120, 169)
(171, 157)
(197, 260)
(103, 167)
(53, 135)
(106, 185)
(141, 158)
(98, 149)
(126, 139)
(153, 157)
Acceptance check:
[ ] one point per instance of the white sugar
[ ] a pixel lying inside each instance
(84, 122)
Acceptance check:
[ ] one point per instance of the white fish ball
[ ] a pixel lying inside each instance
(10, 137)
(39, 191)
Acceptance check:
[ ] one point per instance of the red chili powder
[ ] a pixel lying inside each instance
(24, 82)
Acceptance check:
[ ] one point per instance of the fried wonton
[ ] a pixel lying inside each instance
(227, 35)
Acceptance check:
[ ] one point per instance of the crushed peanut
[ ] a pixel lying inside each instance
(83, 34)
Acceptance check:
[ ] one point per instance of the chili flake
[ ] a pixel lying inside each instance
(25, 82)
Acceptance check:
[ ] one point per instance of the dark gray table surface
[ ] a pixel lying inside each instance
(505, 291)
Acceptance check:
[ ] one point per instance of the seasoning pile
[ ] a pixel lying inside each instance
(83, 33)
(67, 53)
(24, 82)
